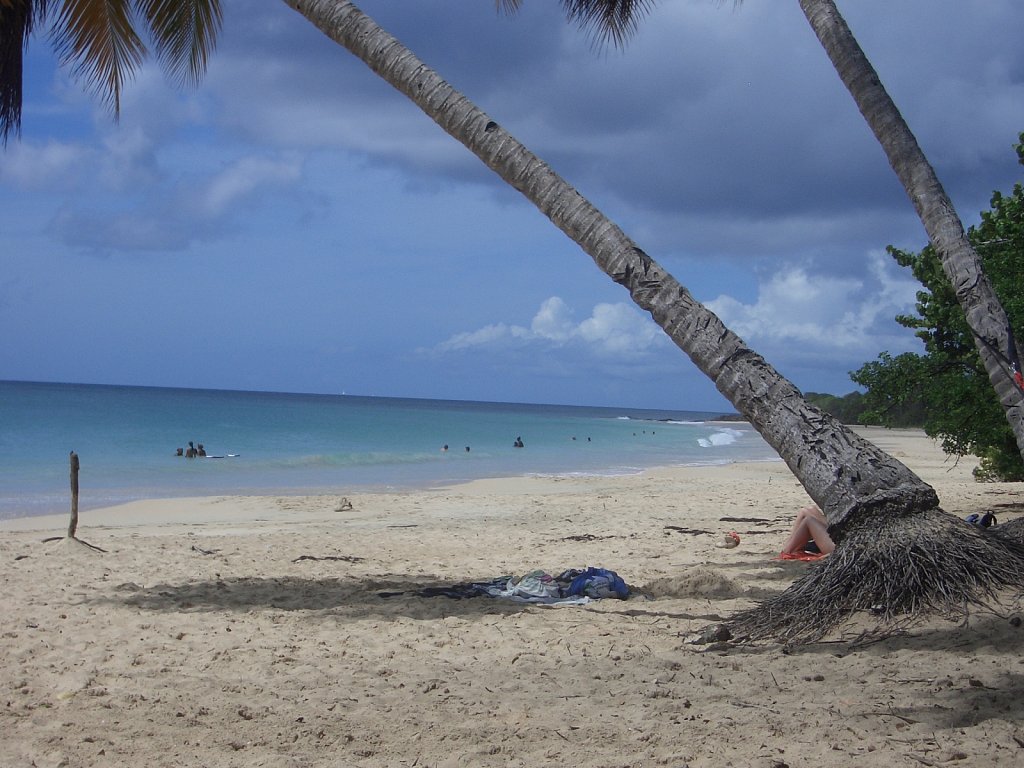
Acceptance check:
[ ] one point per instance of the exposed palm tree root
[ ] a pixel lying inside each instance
(73, 542)
(899, 567)
(1011, 531)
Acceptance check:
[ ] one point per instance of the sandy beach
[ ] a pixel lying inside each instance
(293, 632)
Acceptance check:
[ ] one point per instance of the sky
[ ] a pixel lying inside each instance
(294, 224)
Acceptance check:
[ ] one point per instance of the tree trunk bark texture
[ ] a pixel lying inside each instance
(961, 263)
(843, 473)
(73, 525)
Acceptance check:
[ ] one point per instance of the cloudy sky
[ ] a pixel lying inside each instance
(294, 224)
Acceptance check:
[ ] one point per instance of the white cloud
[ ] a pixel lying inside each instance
(34, 166)
(611, 329)
(245, 176)
(489, 335)
(170, 214)
(821, 313)
(553, 321)
(619, 329)
(128, 160)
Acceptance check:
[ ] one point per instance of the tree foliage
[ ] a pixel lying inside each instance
(100, 42)
(846, 408)
(948, 380)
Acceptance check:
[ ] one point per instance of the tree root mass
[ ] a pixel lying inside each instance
(898, 567)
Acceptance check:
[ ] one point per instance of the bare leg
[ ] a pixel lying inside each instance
(819, 532)
(798, 537)
(798, 534)
(810, 524)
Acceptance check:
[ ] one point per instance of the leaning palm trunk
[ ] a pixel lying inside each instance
(985, 314)
(855, 482)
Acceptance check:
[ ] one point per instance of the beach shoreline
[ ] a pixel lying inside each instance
(295, 631)
(131, 441)
(186, 509)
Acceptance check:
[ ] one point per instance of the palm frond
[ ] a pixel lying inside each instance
(97, 40)
(184, 33)
(18, 19)
(612, 21)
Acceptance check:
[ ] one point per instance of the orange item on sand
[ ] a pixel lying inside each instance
(801, 556)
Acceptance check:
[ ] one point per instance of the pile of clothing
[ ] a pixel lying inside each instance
(985, 520)
(575, 586)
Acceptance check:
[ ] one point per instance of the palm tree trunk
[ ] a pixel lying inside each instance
(841, 471)
(985, 314)
(861, 489)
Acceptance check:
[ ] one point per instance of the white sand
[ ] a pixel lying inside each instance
(206, 635)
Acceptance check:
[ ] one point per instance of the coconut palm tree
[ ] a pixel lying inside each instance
(895, 546)
(985, 314)
(867, 494)
(615, 20)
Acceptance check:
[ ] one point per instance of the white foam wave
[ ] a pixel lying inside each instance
(720, 438)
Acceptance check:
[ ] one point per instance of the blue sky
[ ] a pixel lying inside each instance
(293, 224)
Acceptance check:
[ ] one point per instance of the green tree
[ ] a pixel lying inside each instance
(899, 376)
(949, 378)
(847, 408)
(893, 542)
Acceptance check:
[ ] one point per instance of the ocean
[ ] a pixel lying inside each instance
(127, 438)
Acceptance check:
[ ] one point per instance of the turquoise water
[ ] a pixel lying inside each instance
(126, 438)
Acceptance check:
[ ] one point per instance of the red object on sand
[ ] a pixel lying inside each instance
(801, 556)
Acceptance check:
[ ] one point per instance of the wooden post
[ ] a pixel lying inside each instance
(73, 526)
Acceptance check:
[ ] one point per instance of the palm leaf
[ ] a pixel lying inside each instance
(97, 40)
(18, 19)
(184, 33)
(607, 20)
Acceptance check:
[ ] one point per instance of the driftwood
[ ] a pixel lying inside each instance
(72, 537)
(73, 525)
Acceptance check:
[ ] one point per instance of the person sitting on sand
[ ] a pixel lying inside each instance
(809, 535)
